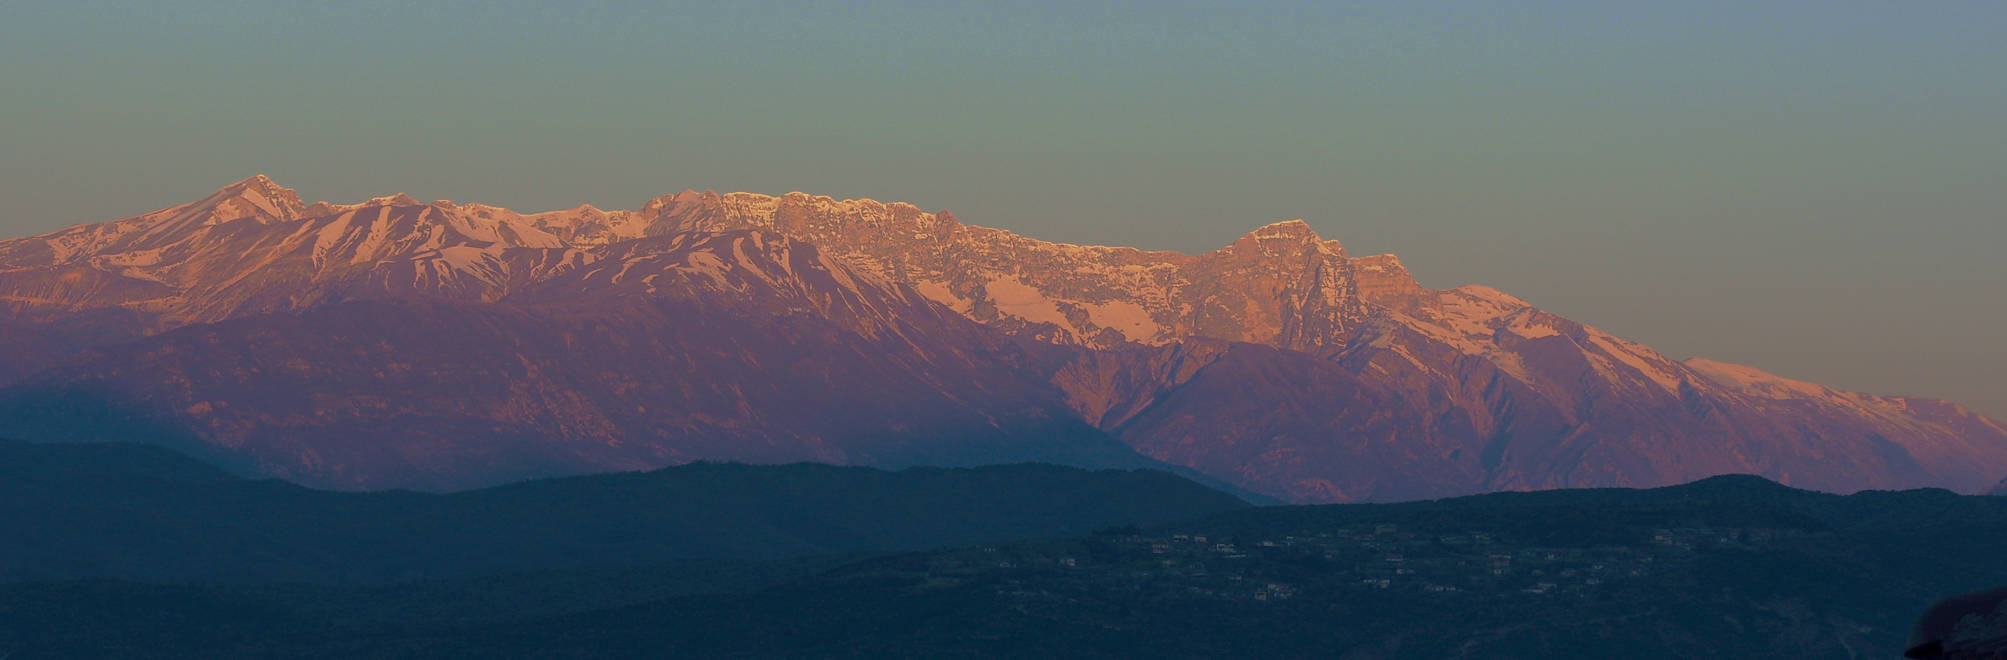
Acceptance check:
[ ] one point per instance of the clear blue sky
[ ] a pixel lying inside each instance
(1814, 188)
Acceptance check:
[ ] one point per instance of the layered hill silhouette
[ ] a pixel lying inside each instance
(395, 343)
(1728, 567)
(131, 512)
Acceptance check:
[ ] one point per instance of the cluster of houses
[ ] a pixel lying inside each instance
(1366, 557)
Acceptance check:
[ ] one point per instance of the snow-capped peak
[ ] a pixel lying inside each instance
(257, 196)
(1492, 295)
(1296, 230)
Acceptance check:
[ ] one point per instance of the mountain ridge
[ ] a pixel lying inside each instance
(1419, 392)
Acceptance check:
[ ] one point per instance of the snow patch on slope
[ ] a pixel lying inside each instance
(1125, 317)
(1638, 357)
(1756, 382)
(1015, 298)
(939, 292)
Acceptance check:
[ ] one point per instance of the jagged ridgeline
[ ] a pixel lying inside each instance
(394, 343)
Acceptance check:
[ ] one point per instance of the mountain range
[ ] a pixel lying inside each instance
(400, 344)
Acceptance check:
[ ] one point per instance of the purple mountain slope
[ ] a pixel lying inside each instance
(396, 343)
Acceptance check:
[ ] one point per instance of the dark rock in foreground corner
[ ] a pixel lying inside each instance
(1967, 626)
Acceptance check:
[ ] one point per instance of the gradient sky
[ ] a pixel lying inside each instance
(1818, 189)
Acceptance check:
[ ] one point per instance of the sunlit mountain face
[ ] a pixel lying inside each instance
(394, 343)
